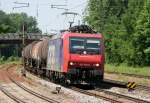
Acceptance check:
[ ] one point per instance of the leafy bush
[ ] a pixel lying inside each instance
(126, 23)
(2, 59)
(12, 58)
(9, 60)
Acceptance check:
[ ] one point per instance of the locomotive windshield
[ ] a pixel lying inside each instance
(80, 45)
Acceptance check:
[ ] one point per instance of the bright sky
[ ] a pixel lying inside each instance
(48, 18)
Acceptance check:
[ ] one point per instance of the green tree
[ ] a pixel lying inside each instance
(4, 23)
(141, 39)
(18, 20)
(13, 23)
(124, 24)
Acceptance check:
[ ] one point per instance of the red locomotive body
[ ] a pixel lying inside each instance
(70, 57)
(87, 58)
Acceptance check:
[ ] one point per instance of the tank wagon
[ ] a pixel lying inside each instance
(74, 56)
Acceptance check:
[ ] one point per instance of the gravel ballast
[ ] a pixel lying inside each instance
(67, 93)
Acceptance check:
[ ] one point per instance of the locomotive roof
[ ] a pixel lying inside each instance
(75, 30)
(61, 35)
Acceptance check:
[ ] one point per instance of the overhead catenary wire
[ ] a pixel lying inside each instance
(22, 5)
(77, 6)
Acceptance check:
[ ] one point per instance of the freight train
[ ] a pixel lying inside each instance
(73, 56)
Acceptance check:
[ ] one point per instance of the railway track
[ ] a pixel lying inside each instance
(132, 99)
(110, 96)
(99, 93)
(18, 100)
(142, 87)
(123, 84)
(90, 94)
(131, 75)
(32, 92)
(11, 95)
(95, 95)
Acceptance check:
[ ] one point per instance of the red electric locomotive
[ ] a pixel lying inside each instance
(74, 56)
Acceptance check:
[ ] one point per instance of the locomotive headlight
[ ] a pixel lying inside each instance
(97, 65)
(71, 63)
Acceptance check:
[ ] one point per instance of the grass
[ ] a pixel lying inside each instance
(126, 69)
(10, 60)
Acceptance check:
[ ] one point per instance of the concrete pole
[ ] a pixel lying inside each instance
(23, 71)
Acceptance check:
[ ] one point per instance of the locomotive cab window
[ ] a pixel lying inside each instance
(78, 45)
(93, 46)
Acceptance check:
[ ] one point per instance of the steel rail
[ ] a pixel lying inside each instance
(95, 95)
(137, 100)
(10, 95)
(132, 75)
(123, 84)
(111, 82)
(32, 92)
(143, 87)
(109, 93)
